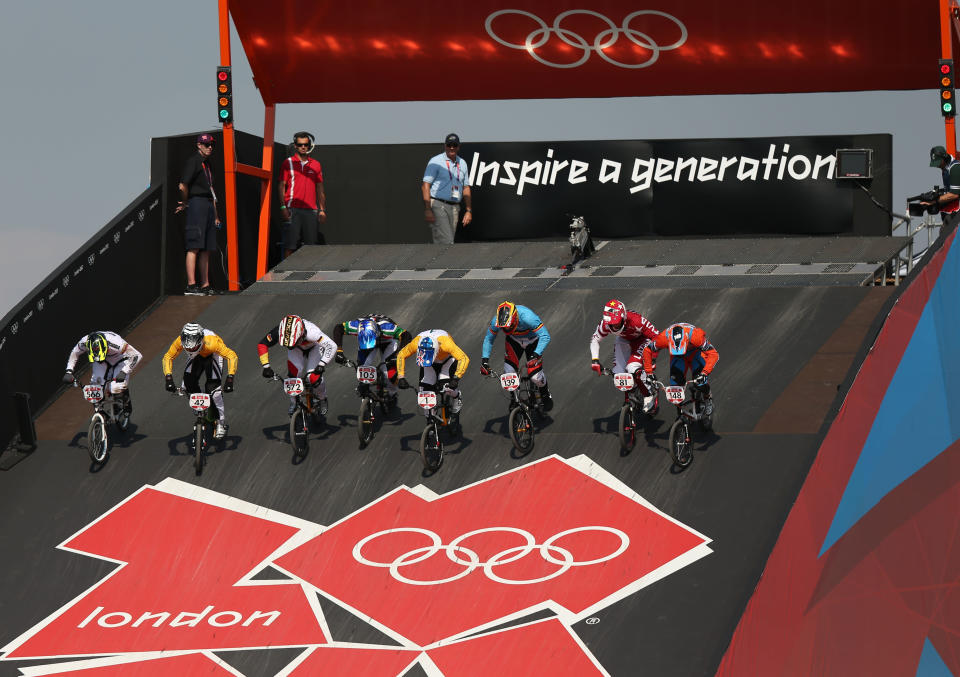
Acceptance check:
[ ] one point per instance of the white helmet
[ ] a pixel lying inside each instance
(191, 337)
(292, 330)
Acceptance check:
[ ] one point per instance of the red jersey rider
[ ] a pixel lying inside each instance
(689, 350)
(633, 332)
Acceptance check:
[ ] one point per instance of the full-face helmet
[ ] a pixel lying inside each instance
(507, 316)
(292, 330)
(97, 347)
(426, 351)
(614, 313)
(191, 337)
(368, 334)
(679, 338)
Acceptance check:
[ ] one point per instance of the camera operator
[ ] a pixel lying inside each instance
(948, 202)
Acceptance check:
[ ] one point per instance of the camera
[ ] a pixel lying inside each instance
(915, 206)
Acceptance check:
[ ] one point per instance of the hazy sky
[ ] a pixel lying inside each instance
(85, 86)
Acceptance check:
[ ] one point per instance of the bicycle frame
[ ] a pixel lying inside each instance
(688, 400)
(520, 389)
(435, 405)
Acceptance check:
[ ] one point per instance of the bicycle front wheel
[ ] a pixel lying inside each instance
(628, 427)
(680, 443)
(365, 421)
(521, 430)
(97, 441)
(299, 432)
(431, 449)
(199, 444)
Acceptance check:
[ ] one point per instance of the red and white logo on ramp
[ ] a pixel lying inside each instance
(563, 535)
(436, 573)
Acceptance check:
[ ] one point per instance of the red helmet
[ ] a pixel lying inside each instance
(614, 312)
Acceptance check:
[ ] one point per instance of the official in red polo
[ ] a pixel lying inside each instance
(303, 202)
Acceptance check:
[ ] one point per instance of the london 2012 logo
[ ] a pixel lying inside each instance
(599, 44)
(496, 574)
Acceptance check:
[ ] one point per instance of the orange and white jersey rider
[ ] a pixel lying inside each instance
(689, 351)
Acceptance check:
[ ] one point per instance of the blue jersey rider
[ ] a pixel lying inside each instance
(523, 333)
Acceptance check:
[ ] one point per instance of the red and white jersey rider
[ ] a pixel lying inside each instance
(309, 350)
(633, 332)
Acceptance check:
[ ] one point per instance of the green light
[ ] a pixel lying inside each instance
(947, 107)
(224, 114)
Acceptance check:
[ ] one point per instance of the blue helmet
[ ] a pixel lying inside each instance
(367, 334)
(426, 351)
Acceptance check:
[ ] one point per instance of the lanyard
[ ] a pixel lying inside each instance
(209, 175)
(451, 173)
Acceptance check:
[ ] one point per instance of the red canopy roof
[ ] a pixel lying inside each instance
(379, 50)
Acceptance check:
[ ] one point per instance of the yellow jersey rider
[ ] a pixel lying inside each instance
(438, 355)
(206, 353)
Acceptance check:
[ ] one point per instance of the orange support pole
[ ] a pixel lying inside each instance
(946, 52)
(266, 190)
(229, 160)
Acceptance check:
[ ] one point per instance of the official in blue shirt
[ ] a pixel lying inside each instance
(446, 184)
(523, 332)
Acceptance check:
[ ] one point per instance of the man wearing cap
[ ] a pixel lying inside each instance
(198, 198)
(949, 202)
(446, 183)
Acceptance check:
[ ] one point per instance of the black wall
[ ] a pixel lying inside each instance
(373, 192)
(107, 284)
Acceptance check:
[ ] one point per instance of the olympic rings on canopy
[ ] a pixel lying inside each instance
(539, 36)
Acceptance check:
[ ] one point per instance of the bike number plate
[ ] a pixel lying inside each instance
(675, 394)
(623, 382)
(367, 374)
(510, 381)
(292, 386)
(427, 399)
(93, 393)
(200, 401)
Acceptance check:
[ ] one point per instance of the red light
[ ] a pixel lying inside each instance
(944, 69)
(222, 75)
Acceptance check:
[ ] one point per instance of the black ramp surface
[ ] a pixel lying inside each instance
(737, 491)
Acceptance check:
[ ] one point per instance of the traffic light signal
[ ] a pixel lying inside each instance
(224, 94)
(948, 103)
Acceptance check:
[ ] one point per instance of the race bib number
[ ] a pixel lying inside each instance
(367, 374)
(427, 399)
(623, 381)
(93, 393)
(292, 386)
(200, 401)
(675, 394)
(510, 381)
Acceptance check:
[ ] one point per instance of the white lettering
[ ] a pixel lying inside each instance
(546, 168)
(683, 164)
(484, 168)
(237, 617)
(274, 615)
(609, 171)
(508, 167)
(473, 167)
(557, 166)
(180, 619)
(90, 617)
(577, 170)
(642, 179)
(829, 161)
(783, 162)
(705, 171)
(662, 172)
(752, 173)
(794, 174)
(123, 615)
(161, 616)
(525, 177)
(724, 163)
(769, 162)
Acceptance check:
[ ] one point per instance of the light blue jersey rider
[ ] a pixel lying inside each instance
(524, 334)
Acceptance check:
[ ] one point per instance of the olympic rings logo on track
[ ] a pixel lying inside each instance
(564, 559)
(539, 37)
